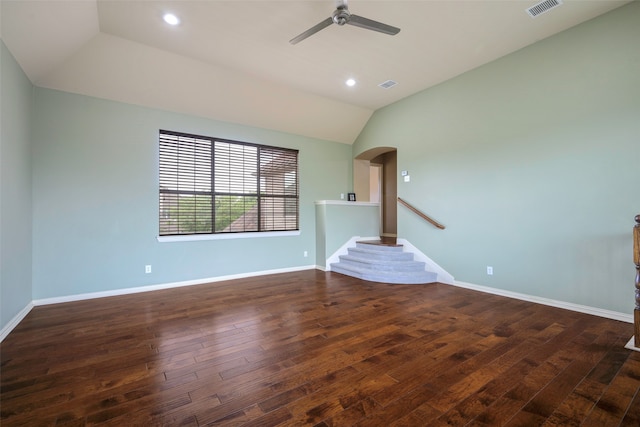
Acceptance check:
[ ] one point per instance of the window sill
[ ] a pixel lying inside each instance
(225, 236)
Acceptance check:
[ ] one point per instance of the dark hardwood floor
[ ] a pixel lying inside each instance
(314, 348)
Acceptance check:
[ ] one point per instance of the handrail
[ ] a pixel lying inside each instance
(423, 215)
(636, 261)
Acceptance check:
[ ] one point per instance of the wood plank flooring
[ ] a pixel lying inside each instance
(317, 349)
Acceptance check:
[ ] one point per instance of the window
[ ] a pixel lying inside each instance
(210, 186)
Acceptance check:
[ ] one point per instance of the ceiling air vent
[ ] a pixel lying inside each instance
(542, 7)
(388, 84)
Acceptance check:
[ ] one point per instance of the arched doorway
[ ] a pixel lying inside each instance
(373, 168)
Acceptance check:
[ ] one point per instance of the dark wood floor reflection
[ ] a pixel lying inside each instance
(314, 348)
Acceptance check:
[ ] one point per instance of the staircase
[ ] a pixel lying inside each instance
(378, 261)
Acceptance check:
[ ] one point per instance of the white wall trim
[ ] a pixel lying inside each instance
(126, 291)
(344, 249)
(346, 203)
(615, 315)
(630, 345)
(430, 265)
(14, 322)
(624, 317)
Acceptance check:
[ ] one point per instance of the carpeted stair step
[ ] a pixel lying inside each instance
(374, 254)
(396, 277)
(383, 264)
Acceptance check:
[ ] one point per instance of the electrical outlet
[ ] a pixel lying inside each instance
(342, 196)
(306, 254)
(147, 269)
(489, 270)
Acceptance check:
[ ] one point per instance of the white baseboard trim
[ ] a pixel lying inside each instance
(525, 297)
(14, 322)
(630, 345)
(443, 275)
(615, 315)
(126, 291)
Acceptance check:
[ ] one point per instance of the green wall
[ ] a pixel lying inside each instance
(532, 163)
(95, 208)
(338, 221)
(15, 188)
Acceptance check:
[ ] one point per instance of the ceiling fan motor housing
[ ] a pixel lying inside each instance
(341, 16)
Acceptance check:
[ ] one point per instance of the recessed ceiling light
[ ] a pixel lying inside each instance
(350, 82)
(171, 19)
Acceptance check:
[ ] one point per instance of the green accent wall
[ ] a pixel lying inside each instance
(532, 163)
(339, 221)
(15, 188)
(95, 208)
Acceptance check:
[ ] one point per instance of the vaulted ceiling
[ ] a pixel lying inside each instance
(232, 60)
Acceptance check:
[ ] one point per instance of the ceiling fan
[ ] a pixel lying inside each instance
(342, 16)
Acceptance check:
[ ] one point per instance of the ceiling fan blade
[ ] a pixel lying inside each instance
(370, 24)
(311, 31)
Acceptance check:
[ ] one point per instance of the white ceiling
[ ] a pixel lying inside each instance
(232, 60)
